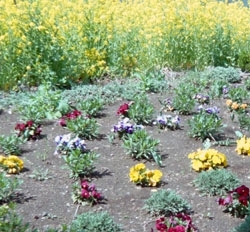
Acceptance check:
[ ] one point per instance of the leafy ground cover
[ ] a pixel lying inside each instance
(47, 195)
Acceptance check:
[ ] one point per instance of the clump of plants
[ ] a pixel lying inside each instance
(95, 222)
(216, 182)
(236, 202)
(11, 144)
(183, 100)
(140, 175)
(167, 203)
(205, 124)
(67, 143)
(245, 225)
(165, 122)
(92, 106)
(12, 164)
(29, 130)
(69, 116)
(8, 186)
(140, 145)
(207, 159)
(83, 127)
(125, 127)
(10, 221)
(81, 163)
(243, 146)
(86, 194)
(141, 110)
(229, 74)
(179, 222)
(237, 94)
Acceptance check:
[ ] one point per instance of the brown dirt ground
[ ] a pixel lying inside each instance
(48, 203)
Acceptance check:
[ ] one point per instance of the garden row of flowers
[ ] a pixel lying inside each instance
(134, 117)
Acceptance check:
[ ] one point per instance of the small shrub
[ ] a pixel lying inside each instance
(205, 124)
(183, 100)
(140, 145)
(140, 175)
(141, 110)
(207, 159)
(237, 202)
(229, 74)
(10, 221)
(83, 127)
(245, 225)
(11, 144)
(8, 187)
(167, 203)
(153, 81)
(12, 164)
(92, 106)
(216, 182)
(81, 163)
(94, 222)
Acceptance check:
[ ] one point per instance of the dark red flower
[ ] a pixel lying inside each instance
(29, 123)
(96, 195)
(84, 185)
(242, 190)
(20, 126)
(244, 200)
(85, 194)
(62, 122)
(226, 201)
(123, 109)
(160, 225)
(177, 229)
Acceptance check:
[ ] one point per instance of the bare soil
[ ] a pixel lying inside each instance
(48, 203)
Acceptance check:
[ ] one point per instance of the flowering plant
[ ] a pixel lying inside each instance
(201, 98)
(123, 110)
(237, 201)
(29, 130)
(12, 164)
(125, 127)
(243, 146)
(86, 193)
(207, 159)
(177, 223)
(69, 116)
(140, 175)
(168, 122)
(67, 143)
(235, 107)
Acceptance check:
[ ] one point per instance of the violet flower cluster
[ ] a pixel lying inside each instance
(65, 144)
(168, 121)
(125, 127)
(209, 110)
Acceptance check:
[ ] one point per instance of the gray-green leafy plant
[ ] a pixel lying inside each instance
(95, 222)
(216, 182)
(92, 106)
(10, 221)
(140, 145)
(153, 81)
(229, 74)
(238, 94)
(10, 145)
(166, 203)
(141, 110)
(244, 226)
(83, 127)
(81, 163)
(44, 104)
(40, 174)
(183, 100)
(205, 125)
(8, 186)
